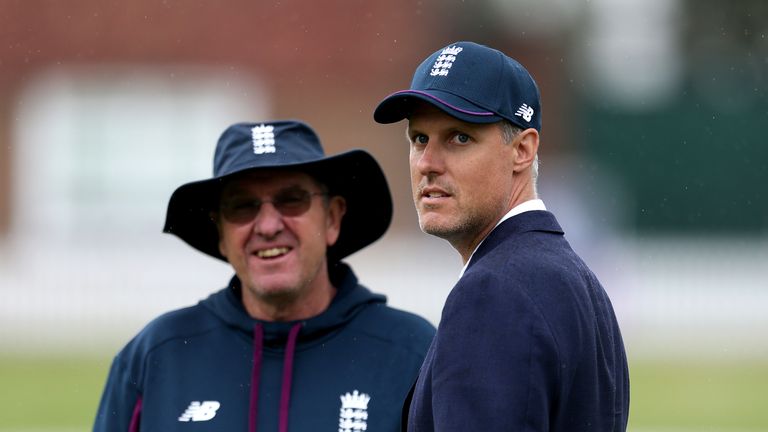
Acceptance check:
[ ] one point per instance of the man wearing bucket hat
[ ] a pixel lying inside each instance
(528, 339)
(293, 342)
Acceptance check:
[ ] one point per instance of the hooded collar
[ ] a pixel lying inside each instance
(351, 298)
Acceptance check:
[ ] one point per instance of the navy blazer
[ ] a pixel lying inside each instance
(528, 341)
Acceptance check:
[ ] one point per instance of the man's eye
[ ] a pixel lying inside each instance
(291, 199)
(244, 204)
(421, 139)
(462, 138)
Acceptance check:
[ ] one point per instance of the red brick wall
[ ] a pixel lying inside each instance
(328, 62)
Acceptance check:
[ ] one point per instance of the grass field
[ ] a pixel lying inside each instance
(60, 394)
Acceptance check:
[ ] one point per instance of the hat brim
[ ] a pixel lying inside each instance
(400, 105)
(354, 175)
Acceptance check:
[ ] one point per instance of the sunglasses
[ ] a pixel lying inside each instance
(289, 202)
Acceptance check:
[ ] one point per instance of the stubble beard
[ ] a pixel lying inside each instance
(465, 229)
(455, 232)
(283, 294)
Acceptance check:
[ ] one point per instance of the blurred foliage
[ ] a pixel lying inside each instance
(688, 168)
(699, 164)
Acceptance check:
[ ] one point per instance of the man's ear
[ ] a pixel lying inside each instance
(337, 207)
(526, 146)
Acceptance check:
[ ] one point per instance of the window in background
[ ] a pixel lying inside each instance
(98, 151)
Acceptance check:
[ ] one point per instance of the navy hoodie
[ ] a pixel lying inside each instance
(211, 367)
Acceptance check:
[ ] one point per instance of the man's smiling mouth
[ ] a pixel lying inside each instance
(272, 252)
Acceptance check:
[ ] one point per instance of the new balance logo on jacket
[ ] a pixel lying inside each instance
(200, 411)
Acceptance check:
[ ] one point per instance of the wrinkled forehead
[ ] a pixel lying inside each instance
(267, 181)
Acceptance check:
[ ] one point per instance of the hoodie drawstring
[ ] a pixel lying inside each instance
(136, 417)
(285, 393)
(258, 346)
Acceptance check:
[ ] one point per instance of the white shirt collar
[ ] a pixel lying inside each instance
(531, 205)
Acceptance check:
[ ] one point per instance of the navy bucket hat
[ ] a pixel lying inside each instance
(471, 82)
(293, 145)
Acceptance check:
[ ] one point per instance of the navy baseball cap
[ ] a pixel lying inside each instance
(292, 145)
(471, 82)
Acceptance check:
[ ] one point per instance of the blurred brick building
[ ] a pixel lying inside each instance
(326, 62)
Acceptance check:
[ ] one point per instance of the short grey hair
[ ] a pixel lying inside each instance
(508, 133)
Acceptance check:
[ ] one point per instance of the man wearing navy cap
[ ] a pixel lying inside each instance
(528, 339)
(293, 342)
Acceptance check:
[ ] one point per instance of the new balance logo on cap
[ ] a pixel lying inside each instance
(263, 139)
(445, 60)
(200, 411)
(525, 112)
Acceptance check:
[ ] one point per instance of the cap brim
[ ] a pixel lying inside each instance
(355, 175)
(400, 105)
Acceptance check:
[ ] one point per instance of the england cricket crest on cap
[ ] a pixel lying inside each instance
(263, 137)
(354, 412)
(445, 60)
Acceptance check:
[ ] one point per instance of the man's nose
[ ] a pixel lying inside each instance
(430, 160)
(269, 221)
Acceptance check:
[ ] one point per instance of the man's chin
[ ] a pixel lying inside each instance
(432, 226)
(275, 291)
